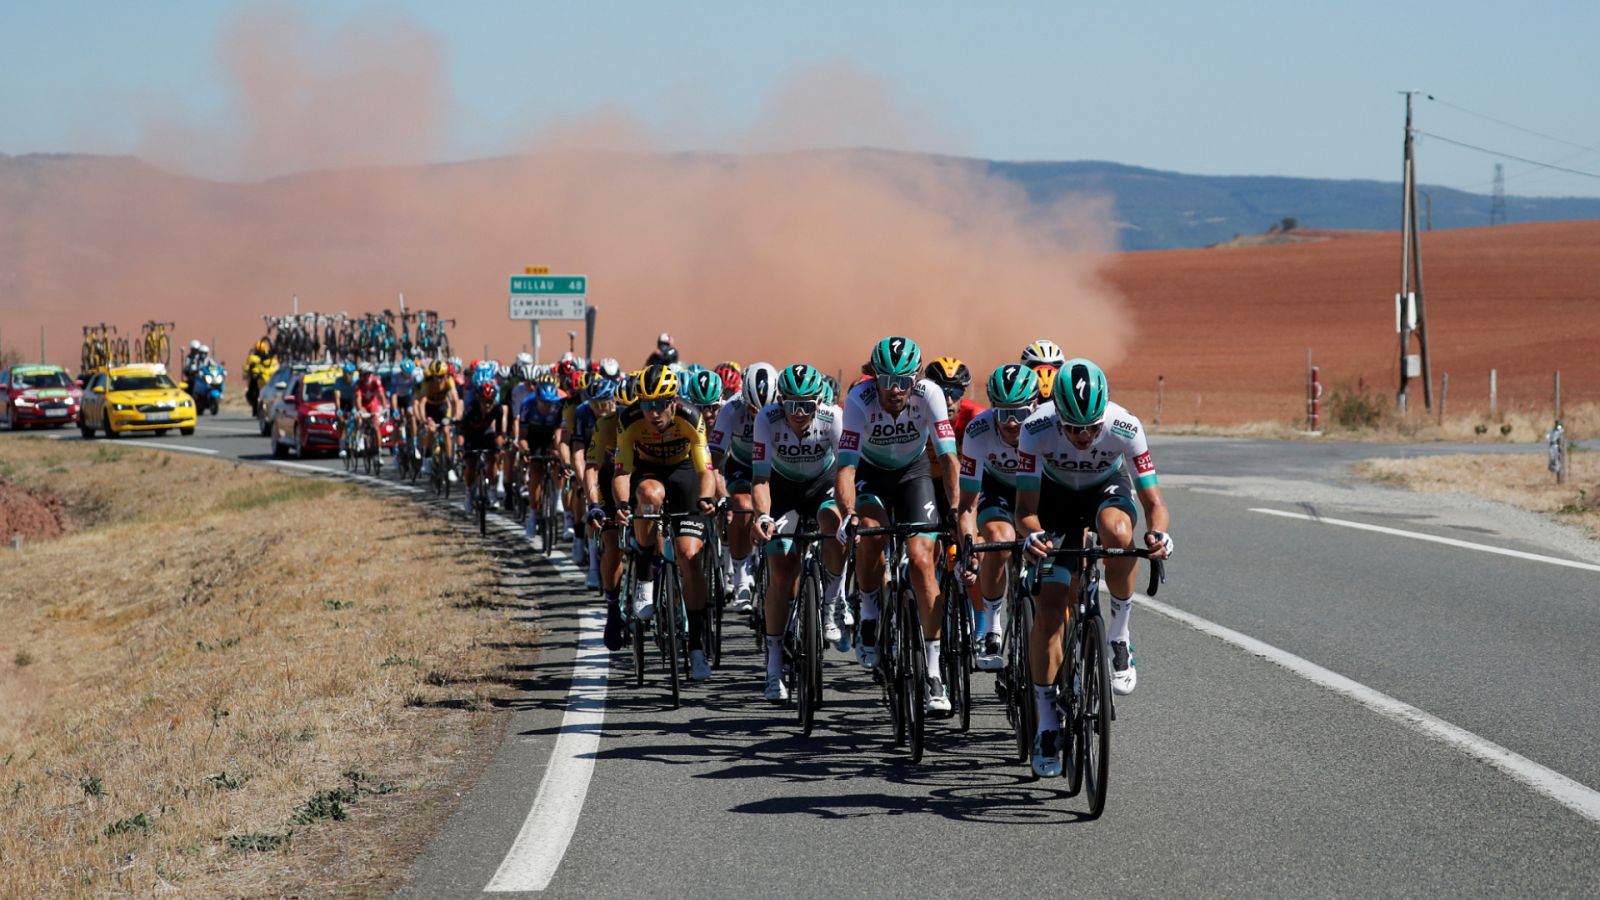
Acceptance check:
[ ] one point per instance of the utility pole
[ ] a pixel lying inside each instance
(1497, 204)
(1410, 313)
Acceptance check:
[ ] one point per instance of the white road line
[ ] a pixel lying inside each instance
(178, 447)
(1419, 536)
(540, 845)
(212, 429)
(1576, 796)
(303, 467)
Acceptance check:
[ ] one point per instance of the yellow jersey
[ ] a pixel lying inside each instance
(684, 441)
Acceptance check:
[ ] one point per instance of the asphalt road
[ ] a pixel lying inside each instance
(1233, 772)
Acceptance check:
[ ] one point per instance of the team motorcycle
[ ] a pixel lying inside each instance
(206, 388)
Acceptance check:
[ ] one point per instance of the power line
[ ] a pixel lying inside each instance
(1531, 162)
(1549, 137)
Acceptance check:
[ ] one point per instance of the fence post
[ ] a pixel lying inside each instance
(1444, 393)
(1558, 393)
(1494, 403)
(1161, 382)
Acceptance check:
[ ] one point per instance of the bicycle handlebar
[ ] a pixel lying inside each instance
(1158, 567)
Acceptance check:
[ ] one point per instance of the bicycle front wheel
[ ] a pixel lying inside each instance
(810, 654)
(1094, 733)
(1025, 718)
(914, 676)
(668, 627)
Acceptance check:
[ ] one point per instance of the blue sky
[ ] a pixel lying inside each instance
(1270, 88)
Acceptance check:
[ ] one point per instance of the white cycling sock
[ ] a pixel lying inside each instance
(1120, 609)
(594, 562)
(741, 570)
(992, 606)
(869, 605)
(774, 654)
(833, 587)
(1044, 701)
(931, 650)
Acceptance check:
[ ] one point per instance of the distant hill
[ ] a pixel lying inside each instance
(1159, 210)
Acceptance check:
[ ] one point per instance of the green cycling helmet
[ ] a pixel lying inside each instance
(827, 395)
(1080, 393)
(800, 382)
(703, 388)
(897, 356)
(1013, 384)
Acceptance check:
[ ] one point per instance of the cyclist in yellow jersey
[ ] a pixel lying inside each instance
(663, 464)
(440, 404)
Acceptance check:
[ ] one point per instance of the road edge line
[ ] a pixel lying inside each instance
(1432, 538)
(541, 842)
(1574, 795)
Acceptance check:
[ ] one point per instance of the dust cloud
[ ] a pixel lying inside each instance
(780, 251)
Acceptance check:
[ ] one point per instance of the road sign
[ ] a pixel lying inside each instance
(549, 297)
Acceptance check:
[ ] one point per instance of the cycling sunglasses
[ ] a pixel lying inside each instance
(955, 393)
(1012, 415)
(800, 407)
(656, 406)
(896, 382)
(1081, 429)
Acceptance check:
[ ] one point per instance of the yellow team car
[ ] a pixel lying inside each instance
(136, 397)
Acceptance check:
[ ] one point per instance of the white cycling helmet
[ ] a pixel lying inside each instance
(1043, 353)
(205, 349)
(760, 385)
(525, 358)
(194, 345)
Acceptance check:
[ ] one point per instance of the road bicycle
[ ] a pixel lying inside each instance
(670, 623)
(957, 650)
(443, 457)
(156, 345)
(802, 637)
(902, 663)
(1083, 683)
(549, 519)
(481, 490)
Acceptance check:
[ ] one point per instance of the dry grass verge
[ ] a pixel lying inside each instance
(231, 682)
(1372, 421)
(1520, 480)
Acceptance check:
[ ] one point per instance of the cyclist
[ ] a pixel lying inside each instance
(732, 376)
(796, 443)
(1047, 381)
(575, 378)
(344, 387)
(953, 377)
(402, 400)
(257, 366)
(538, 431)
(731, 443)
(372, 401)
(440, 404)
(601, 402)
(1077, 455)
(603, 510)
(484, 425)
(989, 463)
(663, 464)
(887, 420)
(1043, 353)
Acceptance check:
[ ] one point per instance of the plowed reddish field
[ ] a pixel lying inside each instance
(1229, 328)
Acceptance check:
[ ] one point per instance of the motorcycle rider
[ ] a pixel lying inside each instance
(666, 354)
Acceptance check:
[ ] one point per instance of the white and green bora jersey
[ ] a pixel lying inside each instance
(778, 450)
(1045, 452)
(892, 442)
(984, 451)
(734, 432)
